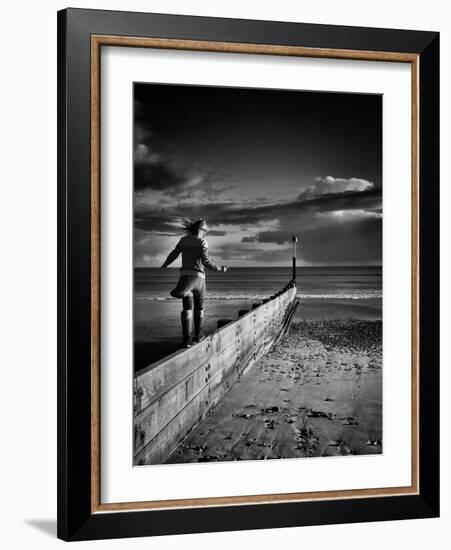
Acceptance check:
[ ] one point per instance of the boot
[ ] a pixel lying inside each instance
(187, 327)
(198, 322)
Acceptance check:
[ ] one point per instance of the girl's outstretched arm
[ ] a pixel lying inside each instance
(209, 263)
(172, 256)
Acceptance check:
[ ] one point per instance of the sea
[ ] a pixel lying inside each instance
(257, 283)
(323, 292)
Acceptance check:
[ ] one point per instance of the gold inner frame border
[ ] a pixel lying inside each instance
(97, 41)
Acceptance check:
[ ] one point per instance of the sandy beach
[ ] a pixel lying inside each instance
(318, 392)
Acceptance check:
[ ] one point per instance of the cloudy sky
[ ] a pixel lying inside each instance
(260, 166)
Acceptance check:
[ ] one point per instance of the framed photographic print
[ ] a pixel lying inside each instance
(248, 274)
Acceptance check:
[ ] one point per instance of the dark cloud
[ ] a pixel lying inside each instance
(152, 172)
(276, 237)
(216, 233)
(339, 241)
(346, 200)
(155, 220)
(155, 172)
(351, 241)
(249, 239)
(151, 218)
(154, 169)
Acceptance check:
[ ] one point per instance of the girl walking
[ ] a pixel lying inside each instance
(191, 284)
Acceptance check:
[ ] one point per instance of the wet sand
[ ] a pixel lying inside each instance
(318, 392)
(158, 331)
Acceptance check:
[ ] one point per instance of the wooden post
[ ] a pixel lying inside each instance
(294, 240)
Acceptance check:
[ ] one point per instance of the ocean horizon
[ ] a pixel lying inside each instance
(257, 283)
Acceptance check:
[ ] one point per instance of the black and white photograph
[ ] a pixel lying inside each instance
(257, 274)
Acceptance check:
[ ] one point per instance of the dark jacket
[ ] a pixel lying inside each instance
(195, 258)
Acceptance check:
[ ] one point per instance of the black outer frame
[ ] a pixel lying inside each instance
(75, 520)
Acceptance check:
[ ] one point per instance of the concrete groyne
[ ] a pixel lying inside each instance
(173, 395)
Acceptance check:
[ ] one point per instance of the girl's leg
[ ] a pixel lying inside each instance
(198, 295)
(184, 290)
(187, 326)
(187, 301)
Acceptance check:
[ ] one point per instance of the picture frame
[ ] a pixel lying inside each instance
(81, 36)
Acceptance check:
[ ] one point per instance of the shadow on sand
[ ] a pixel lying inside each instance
(147, 353)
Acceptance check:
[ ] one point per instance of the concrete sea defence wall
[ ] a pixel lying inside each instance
(173, 395)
